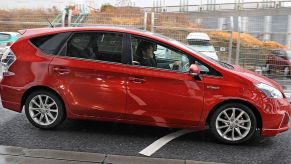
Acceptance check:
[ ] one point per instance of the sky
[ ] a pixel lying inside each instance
(9, 4)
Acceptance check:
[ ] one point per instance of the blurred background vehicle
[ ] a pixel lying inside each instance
(201, 42)
(6, 40)
(279, 60)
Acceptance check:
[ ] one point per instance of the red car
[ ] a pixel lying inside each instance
(279, 59)
(113, 74)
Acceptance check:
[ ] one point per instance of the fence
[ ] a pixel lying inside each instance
(253, 41)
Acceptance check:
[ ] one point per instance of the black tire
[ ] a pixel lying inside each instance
(59, 117)
(227, 107)
(268, 67)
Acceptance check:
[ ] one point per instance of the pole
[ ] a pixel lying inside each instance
(145, 21)
(152, 22)
(238, 40)
(230, 40)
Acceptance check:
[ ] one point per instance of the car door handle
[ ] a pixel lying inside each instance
(61, 70)
(137, 80)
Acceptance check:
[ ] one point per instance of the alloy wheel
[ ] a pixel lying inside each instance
(43, 110)
(233, 124)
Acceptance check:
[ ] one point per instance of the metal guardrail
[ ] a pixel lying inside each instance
(57, 20)
(220, 7)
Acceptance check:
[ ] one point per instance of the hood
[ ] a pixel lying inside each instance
(256, 78)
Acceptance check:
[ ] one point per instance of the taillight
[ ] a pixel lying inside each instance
(8, 58)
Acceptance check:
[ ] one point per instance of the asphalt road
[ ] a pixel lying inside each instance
(122, 139)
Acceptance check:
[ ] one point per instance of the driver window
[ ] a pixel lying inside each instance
(150, 54)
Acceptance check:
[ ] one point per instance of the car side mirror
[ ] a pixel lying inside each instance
(194, 70)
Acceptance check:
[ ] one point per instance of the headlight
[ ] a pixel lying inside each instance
(270, 91)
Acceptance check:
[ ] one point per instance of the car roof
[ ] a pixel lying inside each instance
(46, 31)
(198, 36)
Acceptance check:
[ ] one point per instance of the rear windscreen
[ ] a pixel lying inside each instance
(4, 37)
(50, 44)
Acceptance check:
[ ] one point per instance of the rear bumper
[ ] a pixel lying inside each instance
(11, 106)
(11, 97)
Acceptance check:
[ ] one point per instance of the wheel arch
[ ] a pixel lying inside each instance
(248, 104)
(37, 88)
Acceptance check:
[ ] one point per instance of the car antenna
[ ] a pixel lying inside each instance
(49, 22)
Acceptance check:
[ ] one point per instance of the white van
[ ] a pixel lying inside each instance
(201, 42)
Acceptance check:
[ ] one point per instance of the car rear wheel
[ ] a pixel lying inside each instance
(44, 110)
(233, 123)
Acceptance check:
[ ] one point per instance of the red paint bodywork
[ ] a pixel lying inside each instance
(107, 91)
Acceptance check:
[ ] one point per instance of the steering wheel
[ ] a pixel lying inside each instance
(185, 67)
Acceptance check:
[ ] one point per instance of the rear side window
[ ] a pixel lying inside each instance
(4, 37)
(110, 43)
(104, 46)
(50, 44)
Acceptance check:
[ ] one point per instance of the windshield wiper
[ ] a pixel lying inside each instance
(226, 65)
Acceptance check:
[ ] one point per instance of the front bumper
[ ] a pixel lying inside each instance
(284, 126)
(275, 118)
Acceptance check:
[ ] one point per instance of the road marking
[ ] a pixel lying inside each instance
(155, 146)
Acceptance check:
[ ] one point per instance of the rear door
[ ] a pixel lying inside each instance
(89, 72)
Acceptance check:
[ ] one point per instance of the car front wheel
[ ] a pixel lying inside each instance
(44, 109)
(233, 123)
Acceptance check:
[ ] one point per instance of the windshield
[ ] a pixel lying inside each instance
(289, 54)
(201, 45)
(203, 48)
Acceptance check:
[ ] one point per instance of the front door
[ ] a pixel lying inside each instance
(162, 91)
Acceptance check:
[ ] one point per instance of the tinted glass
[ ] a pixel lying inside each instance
(282, 53)
(96, 46)
(4, 37)
(274, 52)
(50, 44)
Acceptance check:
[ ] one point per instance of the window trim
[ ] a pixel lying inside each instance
(172, 48)
(123, 51)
